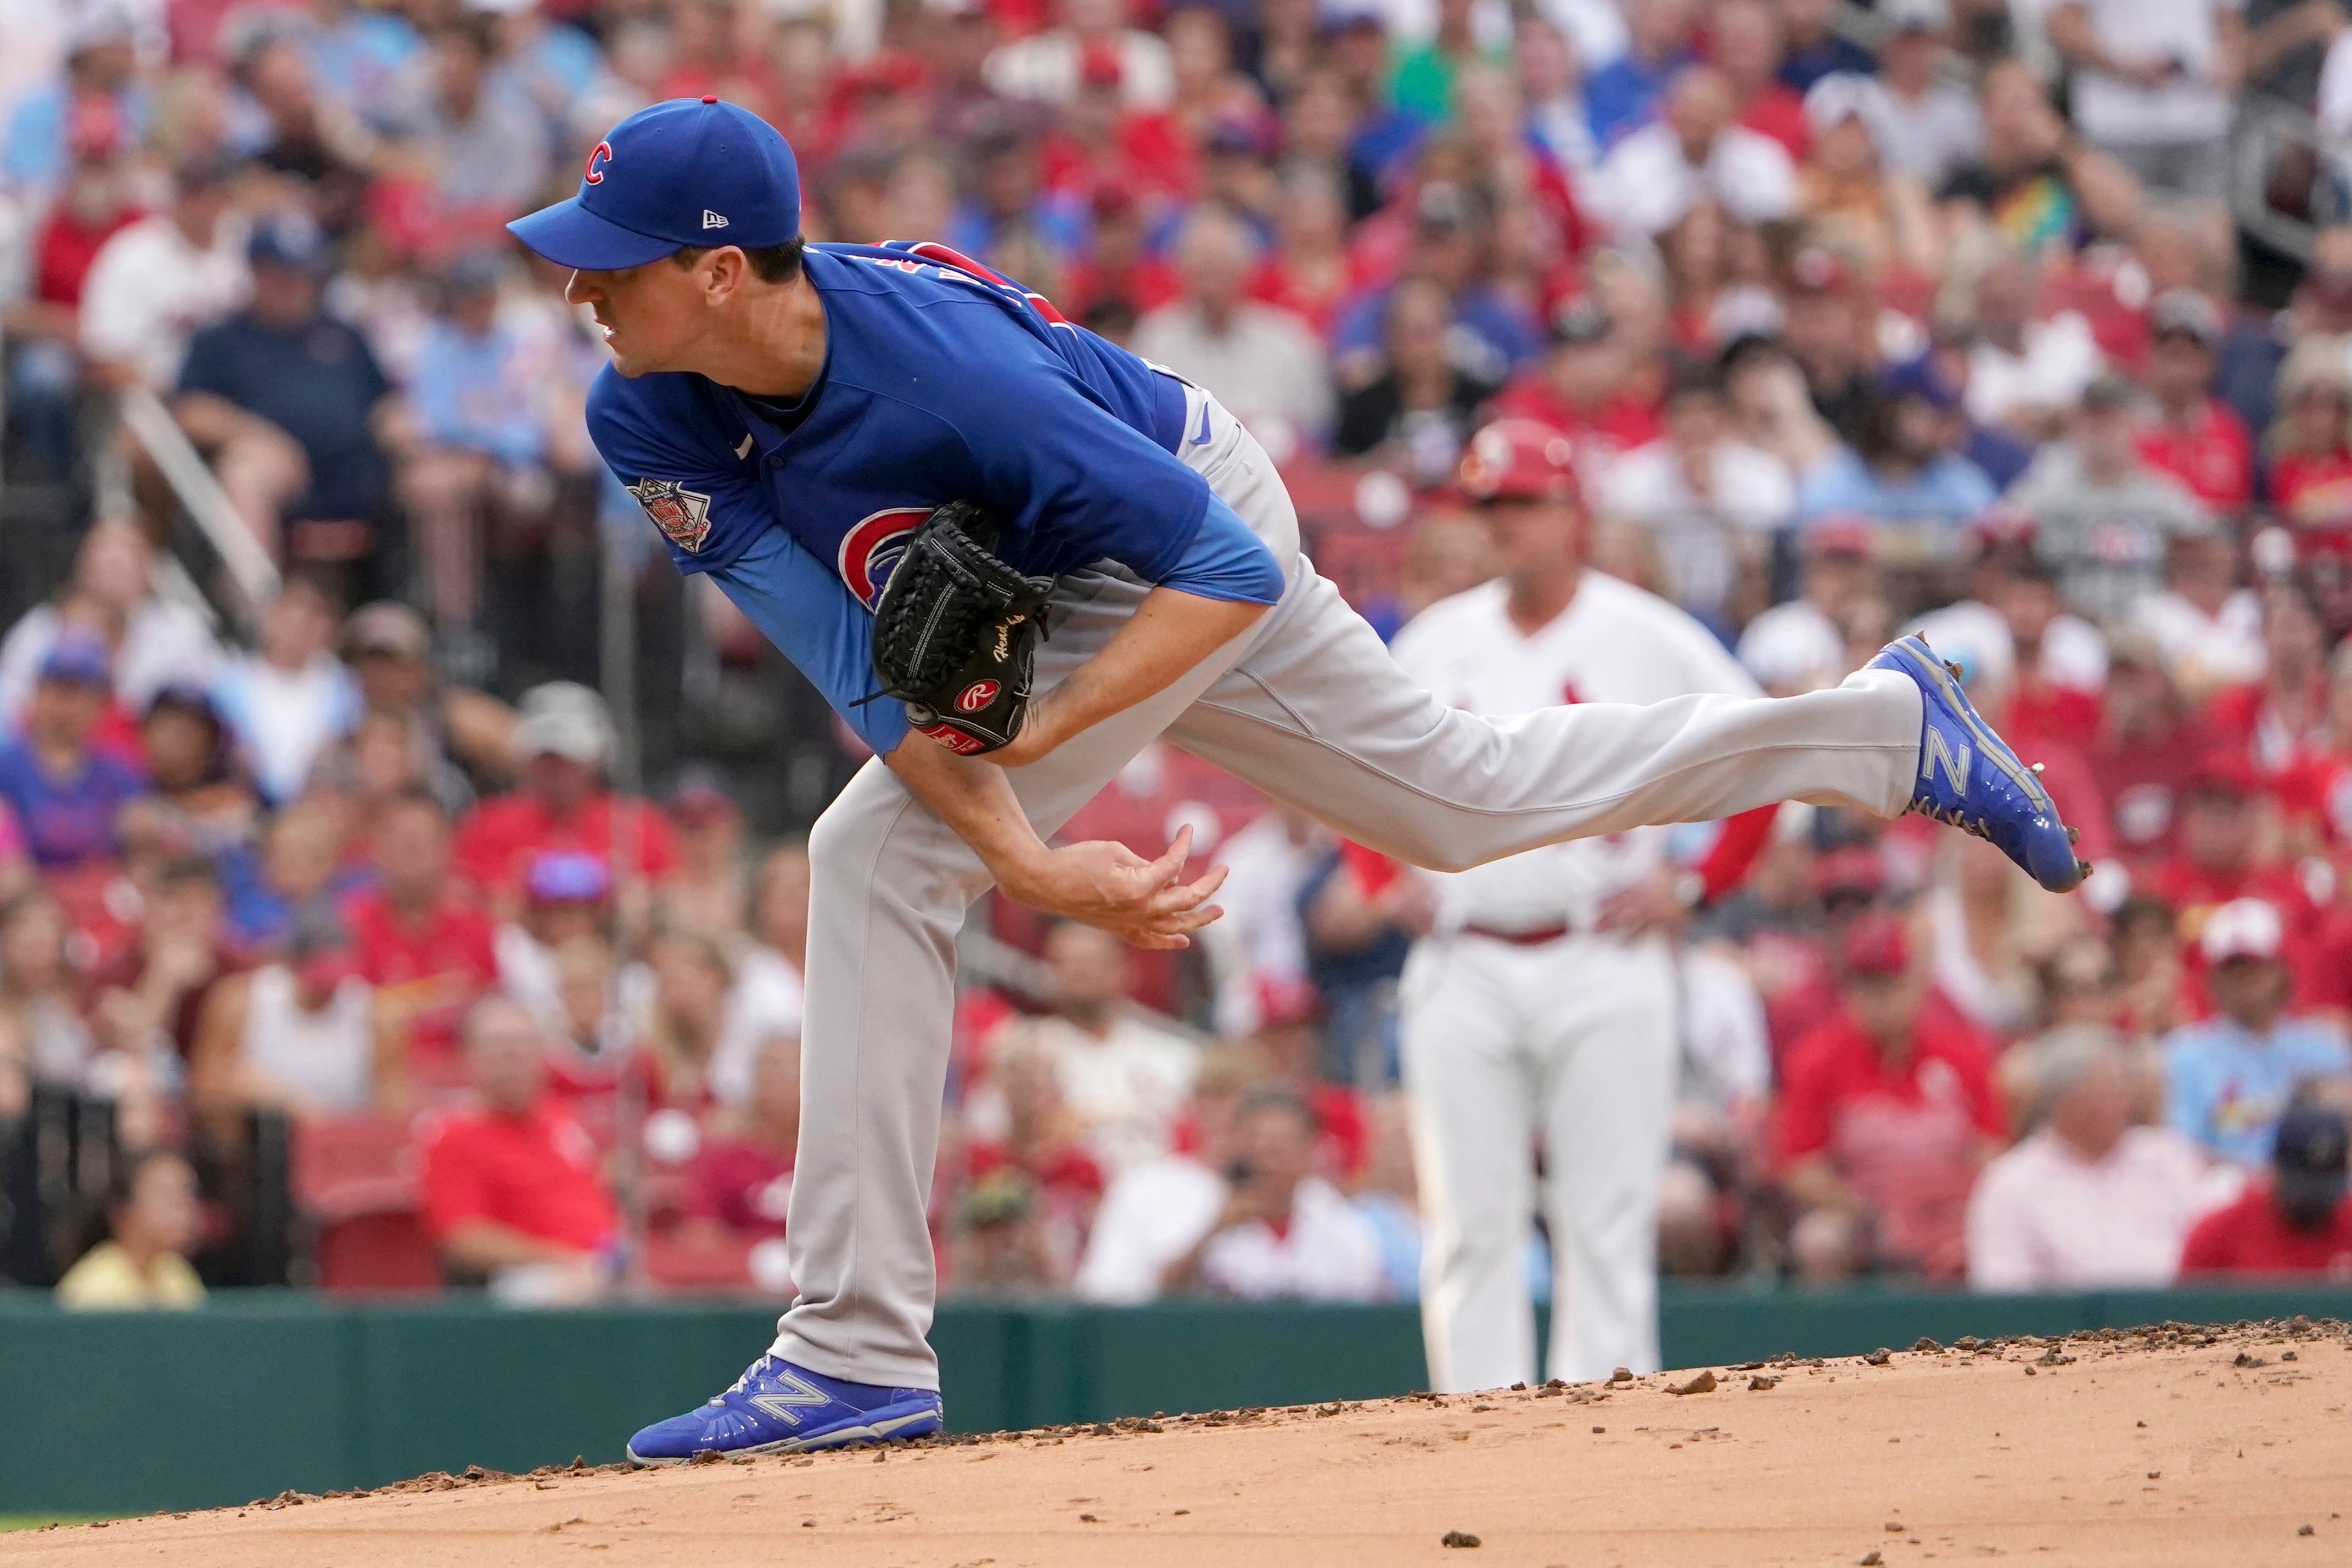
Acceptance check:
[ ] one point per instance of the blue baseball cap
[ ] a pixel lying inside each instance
(568, 876)
(685, 171)
(77, 658)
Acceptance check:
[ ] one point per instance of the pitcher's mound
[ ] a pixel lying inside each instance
(2181, 1446)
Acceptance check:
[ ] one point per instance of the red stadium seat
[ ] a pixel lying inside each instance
(354, 1178)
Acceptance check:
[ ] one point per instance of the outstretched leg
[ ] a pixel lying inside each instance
(1317, 714)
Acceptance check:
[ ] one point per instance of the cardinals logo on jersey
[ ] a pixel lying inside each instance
(871, 547)
(682, 515)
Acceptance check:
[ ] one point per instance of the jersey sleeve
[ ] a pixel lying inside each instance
(1227, 560)
(668, 452)
(817, 622)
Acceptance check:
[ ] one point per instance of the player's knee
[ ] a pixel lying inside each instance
(839, 847)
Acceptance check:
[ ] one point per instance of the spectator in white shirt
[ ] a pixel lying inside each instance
(2088, 1200)
(155, 282)
(1283, 1233)
(1933, 125)
(2026, 372)
(1710, 501)
(1695, 149)
(292, 698)
(2209, 629)
(1260, 361)
(1800, 645)
(1153, 1214)
(2152, 80)
(1045, 67)
(1123, 1077)
(161, 642)
(765, 1003)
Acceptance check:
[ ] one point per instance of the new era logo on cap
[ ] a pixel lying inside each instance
(668, 177)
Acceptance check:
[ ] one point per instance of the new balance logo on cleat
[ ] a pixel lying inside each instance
(711, 220)
(796, 1395)
(1937, 751)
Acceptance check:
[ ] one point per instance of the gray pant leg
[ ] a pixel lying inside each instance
(889, 883)
(1317, 714)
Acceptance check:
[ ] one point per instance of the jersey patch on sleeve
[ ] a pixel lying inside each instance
(682, 515)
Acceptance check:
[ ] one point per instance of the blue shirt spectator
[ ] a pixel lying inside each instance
(2228, 1079)
(2001, 455)
(1624, 96)
(2225, 1085)
(474, 386)
(357, 57)
(64, 793)
(1947, 491)
(1503, 337)
(312, 376)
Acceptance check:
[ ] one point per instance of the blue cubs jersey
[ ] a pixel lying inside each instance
(939, 384)
(942, 382)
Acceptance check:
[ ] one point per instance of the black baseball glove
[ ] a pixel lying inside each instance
(956, 632)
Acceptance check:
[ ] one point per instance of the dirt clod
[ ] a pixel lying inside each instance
(1871, 1559)
(1464, 1538)
(1760, 1383)
(1879, 1357)
(1703, 1384)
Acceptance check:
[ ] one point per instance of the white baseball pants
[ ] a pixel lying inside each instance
(1574, 1040)
(1308, 707)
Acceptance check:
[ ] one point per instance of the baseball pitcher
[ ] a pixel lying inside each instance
(817, 426)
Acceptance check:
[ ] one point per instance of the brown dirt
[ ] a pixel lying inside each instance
(2147, 1449)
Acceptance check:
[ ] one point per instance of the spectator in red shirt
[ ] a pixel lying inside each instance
(43, 327)
(2297, 1222)
(1748, 51)
(2219, 861)
(1310, 270)
(2144, 751)
(157, 986)
(1889, 1112)
(1579, 386)
(2279, 719)
(1119, 266)
(2309, 444)
(427, 950)
(741, 1180)
(2318, 791)
(2194, 436)
(511, 1192)
(1291, 1043)
(564, 804)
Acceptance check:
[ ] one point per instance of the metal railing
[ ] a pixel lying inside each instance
(251, 573)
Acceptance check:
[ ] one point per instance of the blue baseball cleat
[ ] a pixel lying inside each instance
(1969, 779)
(776, 1407)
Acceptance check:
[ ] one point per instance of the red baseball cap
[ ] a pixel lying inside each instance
(1841, 533)
(1519, 459)
(2225, 772)
(1876, 944)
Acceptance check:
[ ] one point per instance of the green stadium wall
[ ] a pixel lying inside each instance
(263, 1391)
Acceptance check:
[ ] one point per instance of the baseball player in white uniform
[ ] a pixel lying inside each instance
(1543, 1003)
(789, 415)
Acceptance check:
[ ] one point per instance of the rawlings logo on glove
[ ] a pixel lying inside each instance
(956, 632)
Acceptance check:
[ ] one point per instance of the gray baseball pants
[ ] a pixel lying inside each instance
(1306, 707)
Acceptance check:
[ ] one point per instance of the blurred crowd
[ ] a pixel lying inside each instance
(330, 950)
